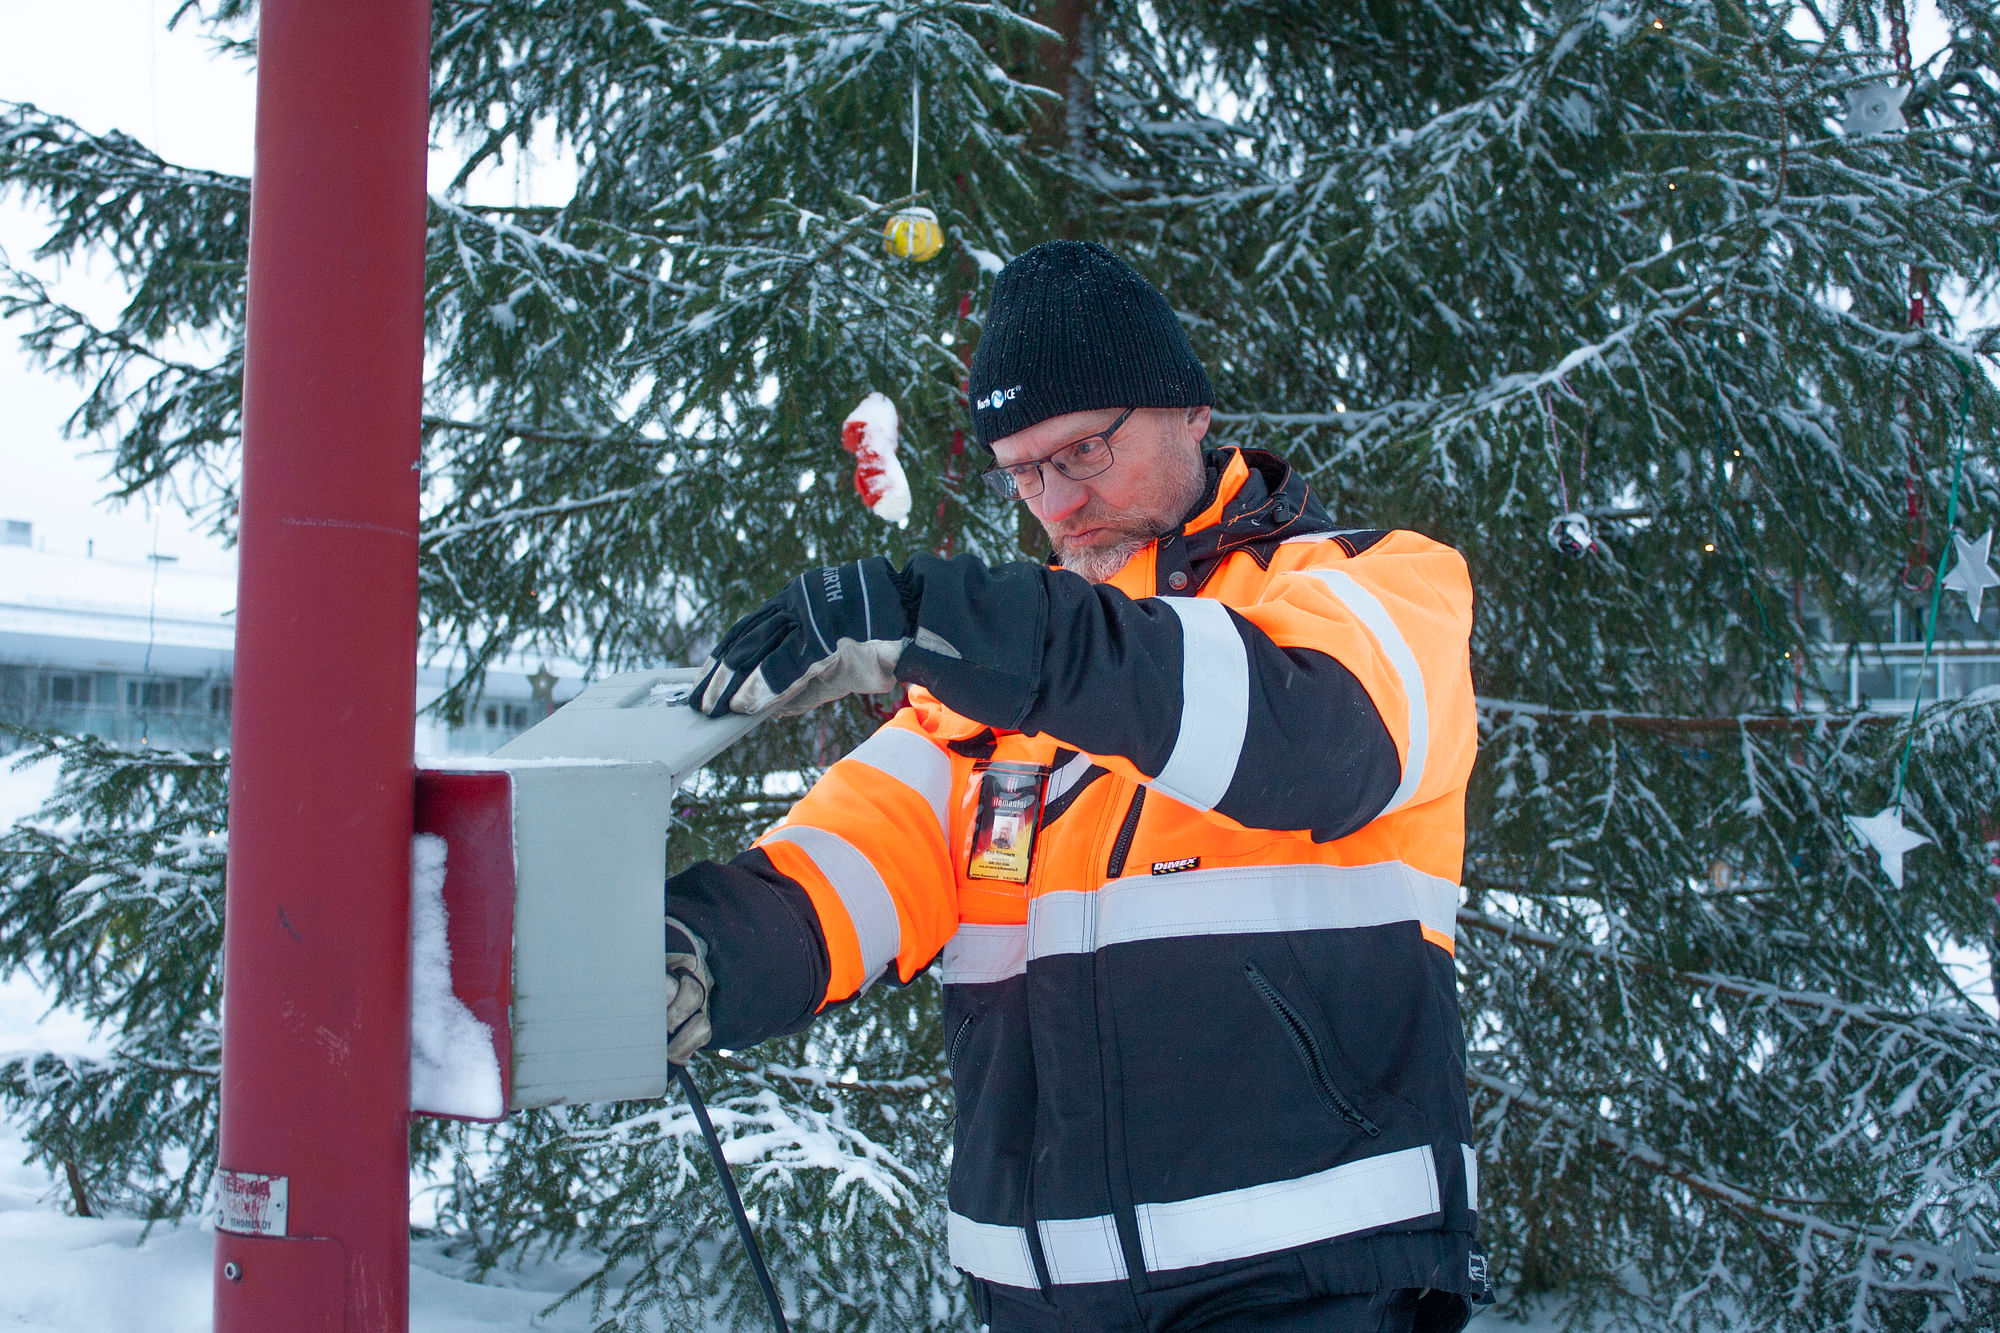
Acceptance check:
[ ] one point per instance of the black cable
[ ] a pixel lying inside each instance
(735, 1199)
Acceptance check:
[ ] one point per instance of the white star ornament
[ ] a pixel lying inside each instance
(1972, 575)
(1884, 832)
(1875, 108)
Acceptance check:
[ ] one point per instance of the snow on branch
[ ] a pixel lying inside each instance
(1674, 724)
(914, 1084)
(776, 1137)
(438, 536)
(1964, 1032)
(1935, 1266)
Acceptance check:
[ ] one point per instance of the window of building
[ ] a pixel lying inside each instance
(152, 693)
(506, 717)
(1963, 676)
(16, 532)
(219, 698)
(69, 689)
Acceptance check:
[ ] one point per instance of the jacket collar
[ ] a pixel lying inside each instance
(1254, 501)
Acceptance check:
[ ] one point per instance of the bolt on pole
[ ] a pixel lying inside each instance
(313, 1159)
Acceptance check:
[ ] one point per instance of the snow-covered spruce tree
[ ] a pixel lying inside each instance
(113, 898)
(1627, 263)
(1472, 265)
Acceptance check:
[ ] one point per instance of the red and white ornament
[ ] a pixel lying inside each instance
(871, 433)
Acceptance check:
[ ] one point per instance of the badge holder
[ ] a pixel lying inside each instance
(1007, 814)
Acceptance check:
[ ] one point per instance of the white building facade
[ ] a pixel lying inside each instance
(142, 652)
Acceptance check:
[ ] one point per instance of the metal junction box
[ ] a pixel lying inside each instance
(555, 867)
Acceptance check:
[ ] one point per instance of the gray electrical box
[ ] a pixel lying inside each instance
(639, 716)
(554, 883)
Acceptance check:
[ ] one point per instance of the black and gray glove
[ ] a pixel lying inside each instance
(687, 1006)
(829, 633)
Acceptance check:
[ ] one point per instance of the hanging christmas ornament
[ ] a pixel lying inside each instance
(1875, 108)
(1572, 534)
(1884, 832)
(1973, 575)
(871, 433)
(1570, 531)
(913, 233)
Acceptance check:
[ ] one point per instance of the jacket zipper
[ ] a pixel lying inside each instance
(957, 1040)
(1309, 1053)
(1123, 847)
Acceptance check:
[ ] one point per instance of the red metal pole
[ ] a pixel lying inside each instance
(314, 1154)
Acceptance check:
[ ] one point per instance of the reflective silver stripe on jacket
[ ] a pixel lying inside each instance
(914, 762)
(980, 953)
(1231, 900)
(1240, 1224)
(861, 891)
(1215, 704)
(1076, 1249)
(1368, 609)
(1471, 1177)
(1066, 777)
(1082, 1249)
(1235, 1224)
(989, 1250)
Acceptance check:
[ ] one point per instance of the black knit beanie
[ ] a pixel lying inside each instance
(1073, 328)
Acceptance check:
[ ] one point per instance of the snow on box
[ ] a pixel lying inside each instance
(453, 1070)
(872, 433)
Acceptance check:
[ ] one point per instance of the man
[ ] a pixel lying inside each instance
(1182, 813)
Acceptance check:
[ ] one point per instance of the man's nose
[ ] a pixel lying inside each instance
(1060, 497)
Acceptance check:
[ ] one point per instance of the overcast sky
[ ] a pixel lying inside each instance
(108, 64)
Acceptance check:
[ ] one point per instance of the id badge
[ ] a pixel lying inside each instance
(1004, 821)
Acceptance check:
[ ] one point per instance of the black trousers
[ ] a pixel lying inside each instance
(1381, 1312)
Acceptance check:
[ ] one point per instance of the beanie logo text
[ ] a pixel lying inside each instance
(998, 398)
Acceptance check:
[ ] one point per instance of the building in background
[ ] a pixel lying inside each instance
(1883, 673)
(140, 652)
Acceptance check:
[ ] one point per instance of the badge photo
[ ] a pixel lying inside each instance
(1005, 819)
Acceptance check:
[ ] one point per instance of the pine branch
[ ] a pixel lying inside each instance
(1966, 1033)
(816, 1078)
(1668, 724)
(1935, 1263)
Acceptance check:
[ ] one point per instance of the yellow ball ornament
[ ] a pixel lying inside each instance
(914, 234)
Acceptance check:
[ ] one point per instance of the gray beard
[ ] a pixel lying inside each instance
(1101, 564)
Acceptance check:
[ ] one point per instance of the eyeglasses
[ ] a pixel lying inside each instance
(1078, 460)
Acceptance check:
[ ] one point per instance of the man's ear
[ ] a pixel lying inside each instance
(1197, 421)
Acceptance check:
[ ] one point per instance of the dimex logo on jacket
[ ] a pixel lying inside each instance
(1178, 864)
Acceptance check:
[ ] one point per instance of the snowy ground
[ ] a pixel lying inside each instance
(90, 1275)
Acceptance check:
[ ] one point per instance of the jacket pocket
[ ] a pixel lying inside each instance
(957, 1043)
(955, 1046)
(1311, 1055)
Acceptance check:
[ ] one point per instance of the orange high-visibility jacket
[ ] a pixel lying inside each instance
(1191, 890)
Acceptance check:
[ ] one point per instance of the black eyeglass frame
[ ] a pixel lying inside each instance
(1003, 482)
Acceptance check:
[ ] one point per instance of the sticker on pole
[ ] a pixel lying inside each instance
(253, 1205)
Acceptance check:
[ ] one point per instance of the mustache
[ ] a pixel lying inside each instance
(1109, 525)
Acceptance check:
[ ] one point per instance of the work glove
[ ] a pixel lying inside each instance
(830, 632)
(687, 1005)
